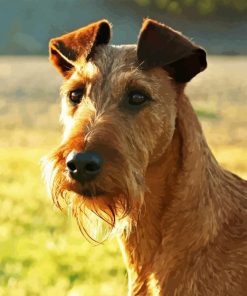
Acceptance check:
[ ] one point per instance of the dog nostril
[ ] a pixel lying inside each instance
(71, 166)
(92, 167)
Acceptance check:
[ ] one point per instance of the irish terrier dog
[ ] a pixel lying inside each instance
(134, 156)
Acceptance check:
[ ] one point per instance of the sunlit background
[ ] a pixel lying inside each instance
(41, 250)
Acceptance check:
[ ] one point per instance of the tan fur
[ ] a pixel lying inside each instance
(181, 219)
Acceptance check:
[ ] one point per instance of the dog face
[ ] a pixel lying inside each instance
(118, 113)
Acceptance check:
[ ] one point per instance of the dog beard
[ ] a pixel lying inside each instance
(101, 209)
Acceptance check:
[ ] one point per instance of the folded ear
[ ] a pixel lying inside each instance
(160, 45)
(68, 48)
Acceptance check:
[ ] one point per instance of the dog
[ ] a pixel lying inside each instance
(133, 155)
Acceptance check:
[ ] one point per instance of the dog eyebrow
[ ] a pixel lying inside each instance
(83, 75)
(89, 71)
(133, 79)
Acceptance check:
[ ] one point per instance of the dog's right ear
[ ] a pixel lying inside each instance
(80, 44)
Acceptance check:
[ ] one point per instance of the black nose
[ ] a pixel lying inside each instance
(84, 166)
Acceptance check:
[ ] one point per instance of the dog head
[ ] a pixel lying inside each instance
(118, 112)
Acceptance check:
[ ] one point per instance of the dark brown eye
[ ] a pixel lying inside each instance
(136, 98)
(76, 95)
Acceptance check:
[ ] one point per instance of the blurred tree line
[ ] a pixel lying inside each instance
(199, 7)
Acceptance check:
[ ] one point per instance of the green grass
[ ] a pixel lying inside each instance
(41, 250)
(206, 114)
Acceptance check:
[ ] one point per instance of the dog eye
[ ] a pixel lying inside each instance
(76, 95)
(136, 98)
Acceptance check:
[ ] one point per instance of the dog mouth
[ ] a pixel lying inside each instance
(89, 192)
(93, 193)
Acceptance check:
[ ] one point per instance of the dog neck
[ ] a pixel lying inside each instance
(179, 214)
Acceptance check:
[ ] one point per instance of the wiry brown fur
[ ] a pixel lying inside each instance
(183, 217)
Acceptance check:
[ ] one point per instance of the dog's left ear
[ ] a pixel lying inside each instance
(80, 44)
(160, 45)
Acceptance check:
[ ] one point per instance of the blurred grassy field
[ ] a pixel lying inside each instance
(41, 250)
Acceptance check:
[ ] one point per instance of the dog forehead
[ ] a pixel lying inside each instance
(109, 58)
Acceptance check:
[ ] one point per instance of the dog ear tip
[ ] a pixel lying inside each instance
(146, 22)
(105, 22)
(52, 42)
(104, 31)
(203, 58)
